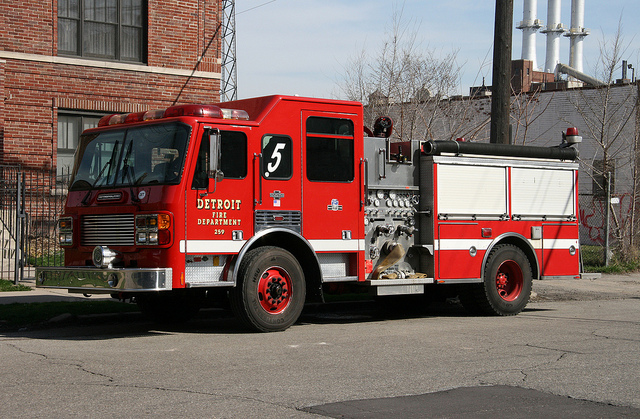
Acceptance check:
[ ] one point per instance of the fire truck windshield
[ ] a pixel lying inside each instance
(143, 155)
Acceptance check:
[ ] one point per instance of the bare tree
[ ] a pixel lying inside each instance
(410, 85)
(609, 113)
(526, 109)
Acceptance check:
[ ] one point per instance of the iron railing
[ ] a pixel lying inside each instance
(30, 204)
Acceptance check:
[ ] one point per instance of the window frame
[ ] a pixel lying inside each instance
(202, 159)
(65, 155)
(318, 135)
(119, 34)
(75, 114)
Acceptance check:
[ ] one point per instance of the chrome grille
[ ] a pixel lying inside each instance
(291, 220)
(108, 230)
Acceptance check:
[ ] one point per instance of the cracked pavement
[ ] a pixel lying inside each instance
(578, 340)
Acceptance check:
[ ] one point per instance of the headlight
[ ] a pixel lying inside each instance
(153, 229)
(65, 231)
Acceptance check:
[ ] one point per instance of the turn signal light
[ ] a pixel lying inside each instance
(164, 222)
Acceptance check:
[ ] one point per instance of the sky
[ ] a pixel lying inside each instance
(301, 47)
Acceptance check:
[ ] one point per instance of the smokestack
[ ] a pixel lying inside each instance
(554, 31)
(577, 34)
(530, 25)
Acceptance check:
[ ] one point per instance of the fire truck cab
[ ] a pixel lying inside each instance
(272, 202)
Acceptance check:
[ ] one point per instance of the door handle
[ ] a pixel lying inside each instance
(257, 159)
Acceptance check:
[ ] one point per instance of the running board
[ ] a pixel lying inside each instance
(381, 287)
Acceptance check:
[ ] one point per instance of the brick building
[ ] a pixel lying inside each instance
(525, 78)
(66, 63)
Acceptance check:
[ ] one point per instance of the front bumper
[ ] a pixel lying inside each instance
(95, 280)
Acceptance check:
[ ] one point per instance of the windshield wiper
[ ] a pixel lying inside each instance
(128, 172)
(107, 164)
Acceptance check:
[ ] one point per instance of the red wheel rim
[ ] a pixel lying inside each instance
(274, 290)
(509, 280)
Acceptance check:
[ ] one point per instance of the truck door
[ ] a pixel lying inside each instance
(277, 189)
(218, 214)
(332, 187)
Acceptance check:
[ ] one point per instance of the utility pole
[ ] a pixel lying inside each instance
(501, 83)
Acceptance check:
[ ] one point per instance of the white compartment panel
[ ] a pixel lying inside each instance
(542, 192)
(479, 190)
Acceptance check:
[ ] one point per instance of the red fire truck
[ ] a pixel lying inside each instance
(275, 201)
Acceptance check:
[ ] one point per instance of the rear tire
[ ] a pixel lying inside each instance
(507, 284)
(270, 291)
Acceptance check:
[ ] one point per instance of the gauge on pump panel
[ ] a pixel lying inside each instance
(380, 194)
(401, 203)
(392, 195)
(389, 202)
(376, 202)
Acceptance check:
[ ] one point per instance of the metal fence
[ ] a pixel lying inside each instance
(592, 230)
(30, 203)
(608, 233)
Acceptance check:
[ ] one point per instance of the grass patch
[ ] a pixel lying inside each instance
(52, 259)
(615, 267)
(18, 315)
(8, 286)
(592, 256)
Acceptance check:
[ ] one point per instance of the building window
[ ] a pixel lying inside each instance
(70, 126)
(107, 29)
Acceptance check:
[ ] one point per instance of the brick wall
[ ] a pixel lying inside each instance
(28, 26)
(37, 84)
(177, 21)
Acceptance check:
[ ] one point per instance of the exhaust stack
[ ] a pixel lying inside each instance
(577, 34)
(553, 31)
(530, 25)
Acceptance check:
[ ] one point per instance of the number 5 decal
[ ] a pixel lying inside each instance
(273, 166)
(277, 163)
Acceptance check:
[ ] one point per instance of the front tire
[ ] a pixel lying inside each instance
(270, 291)
(507, 284)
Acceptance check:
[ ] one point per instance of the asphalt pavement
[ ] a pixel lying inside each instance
(487, 401)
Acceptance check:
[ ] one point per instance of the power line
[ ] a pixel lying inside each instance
(229, 68)
(255, 7)
(200, 58)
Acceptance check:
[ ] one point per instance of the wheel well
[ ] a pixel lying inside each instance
(302, 251)
(524, 245)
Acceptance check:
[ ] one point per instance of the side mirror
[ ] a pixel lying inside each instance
(215, 145)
